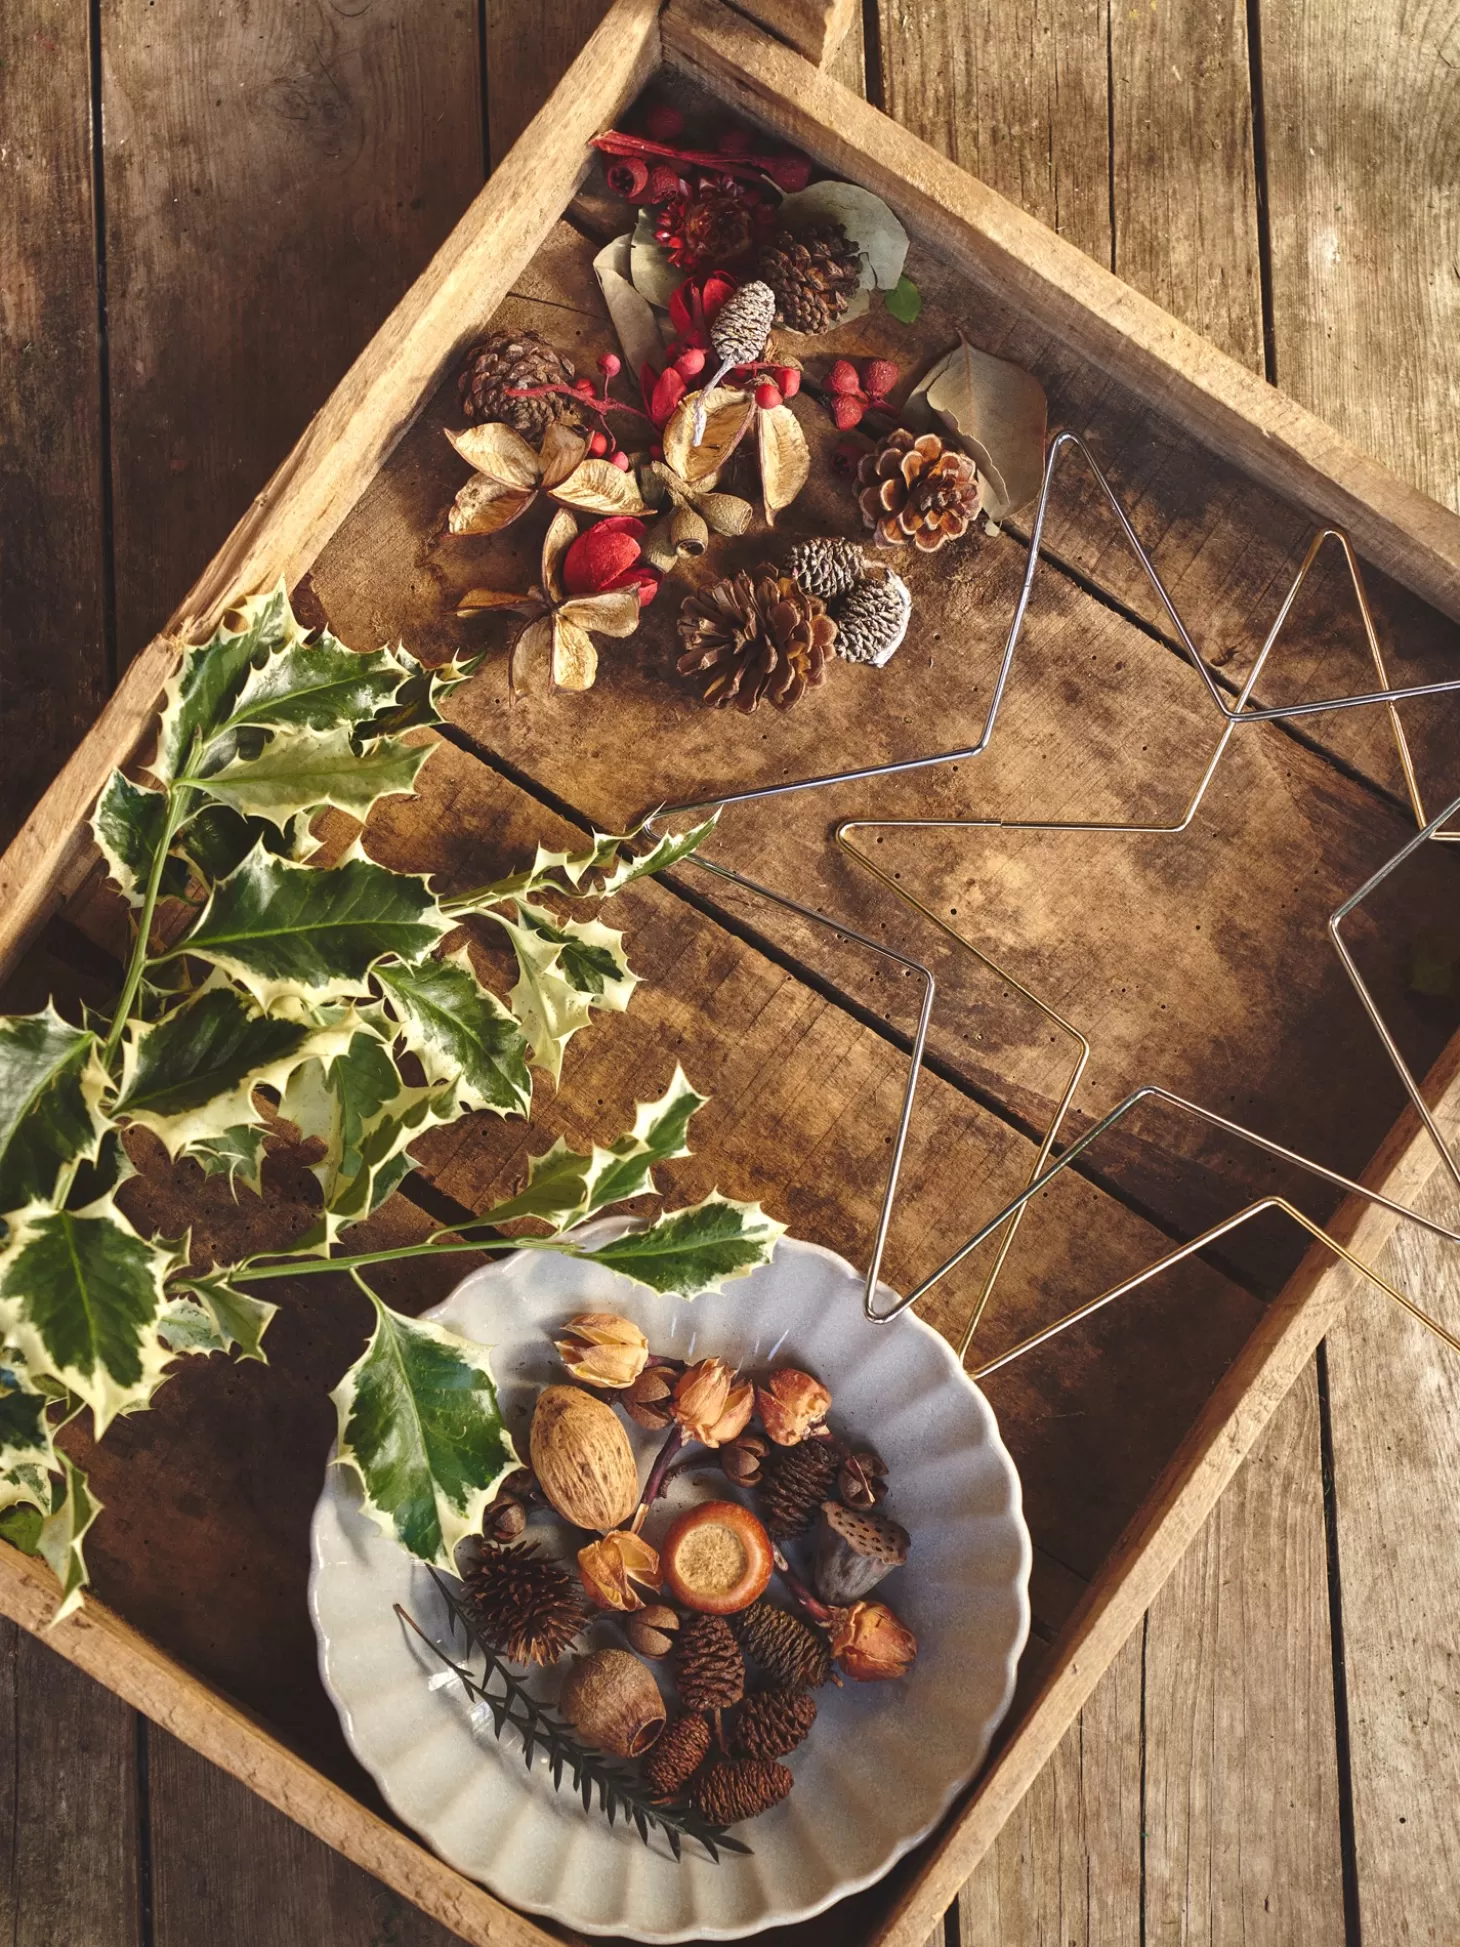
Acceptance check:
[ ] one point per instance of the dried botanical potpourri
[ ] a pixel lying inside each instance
(691, 1648)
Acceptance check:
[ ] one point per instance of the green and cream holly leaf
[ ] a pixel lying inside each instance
(216, 1318)
(128, 825)
(664, 852)
(71, 1511)
(421, 1428)
(418, 701)
(591, 956)
(321, 684)
(192, 1075)
(236, 1152)
(27, 1453)
(81, 1295)
(285, 929)
(201, 696)
(694, 1250)
(50, 1092)
(459, 1032)
(301, 769)
(565, 872)
(550, 1007)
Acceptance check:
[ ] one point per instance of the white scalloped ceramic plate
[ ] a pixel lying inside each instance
(884, 1760)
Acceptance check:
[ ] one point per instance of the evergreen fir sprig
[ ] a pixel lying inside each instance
(619, 1790)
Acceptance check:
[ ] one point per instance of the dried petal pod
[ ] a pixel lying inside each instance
(862, 1479)
(791, 1405)
(503, 1521)
(709, 1405)
(871, 1644)
(740, 1788)
(654, 1630)
(708, 1664)
(649, 1401)
(613, 1702)
(602, 1349)
(677, 1756)
(617, 1569)
(743, 1459)
(854, 1550)
(769, 1723)
(582, 1458)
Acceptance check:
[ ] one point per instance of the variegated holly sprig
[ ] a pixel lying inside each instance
(262, 988)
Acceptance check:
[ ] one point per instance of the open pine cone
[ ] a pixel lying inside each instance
(813, 275)
(507, 359)
(918, 490)
(755, 636)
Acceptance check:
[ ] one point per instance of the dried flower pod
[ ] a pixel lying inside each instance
(791, 1405)
(871, 1644)
(677, 1756)
(740, 1788)
(582, 1459)
(862, 1479)
(602, 1349)
(519, 1485)
(743, 1459)
(708, 1664)
(525, 1604)
(796, 1482)
(717, 1558)
(709, 1405)
(784, 1646)
(854, 1550)
(654, 1630)
(613, 1702)
(617, 1569)
(649, 1401)
(770, 1723)
(504, 1521)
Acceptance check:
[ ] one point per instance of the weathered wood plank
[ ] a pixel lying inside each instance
(53, 649)
(528, 50)
(68, 1793)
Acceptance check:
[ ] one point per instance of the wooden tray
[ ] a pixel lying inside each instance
(1203, 963)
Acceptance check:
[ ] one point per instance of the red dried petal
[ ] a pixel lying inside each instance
(879, 375)
(669, 389)
(596, 560)
(643, 577)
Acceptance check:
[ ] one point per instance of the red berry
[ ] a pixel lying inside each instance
(789, 172)
(690, 362)
(733, 141)
(843, 377)
(766, 396)
(788, 378)
(583, 387)
(620, 460)
(879, 375)
(598, 444)
(847, 411)
(663, 123)
(610, 365)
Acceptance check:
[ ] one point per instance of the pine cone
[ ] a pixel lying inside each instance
(872, 620)
(713, 228)
(708, 1664)
(755, 636)
(676, 1756)
(521, 358)
(772, 1722)
(795, 1483)
(813, 276)
(827, 567)
(526, 1605)
(918, 490)
(743, 324)
(740, 1788)
(795, 1654)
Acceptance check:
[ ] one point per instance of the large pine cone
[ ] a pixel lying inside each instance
(517, 358)
(772, 1722)
(813, 275)
(918, 490)
(740, 1788)
(709, 1666)
(791, 1651)
(794, 1484)
(755, 636)
(676, 1755)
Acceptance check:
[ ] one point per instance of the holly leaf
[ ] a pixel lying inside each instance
(58, 1536)
(590, 956)
(665, 852)
(301, 769)
(322, 685)
(27, 1453)
(200, 698)
(127, 825)
(694, 1250)
(549, 1006)
(50, 1090)
(421, 1428)
(236, 1318)
(460, 1033)
(418, 700)
(81, 1295)
(236, 1152)
(285, 929)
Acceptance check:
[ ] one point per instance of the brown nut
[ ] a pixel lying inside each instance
(652, 1631)
(503, 1521)
(613, 1703)
(582, 1459)
(862, 1480)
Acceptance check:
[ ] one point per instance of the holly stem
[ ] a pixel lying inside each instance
(654, 1486)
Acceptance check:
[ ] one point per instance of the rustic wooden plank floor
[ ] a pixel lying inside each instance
(203, 213)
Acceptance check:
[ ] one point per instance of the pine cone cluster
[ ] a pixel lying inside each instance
(709, 1666)
(791, 1651)
(918, 490)
(795, 1483)
(527, 1606)
(870, 605)
(677, 1755)
(771, 1723)
(740, 1788)
(755, 637)
(813, 275)
(508, 359)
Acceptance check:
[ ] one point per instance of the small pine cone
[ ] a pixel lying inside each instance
(755, 636)
(795, 1483)
(918, 490)
(740, 1788)
(772, 1722)
(676, 1755)
(813, 276)
(827, 567)
(872, 619)
(508, 359)
(791, 1651)
(708, 1664)
(743, 324)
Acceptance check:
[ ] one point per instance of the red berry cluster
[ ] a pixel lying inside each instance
(853, 393)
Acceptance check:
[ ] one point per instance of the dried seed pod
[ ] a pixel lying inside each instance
(582, 1458)
(525, 1604)
(708, 1403)
(503, 1521)
(795, 1483)
(740, 1788)
(677, 1756)
(717, 1557)
(872, 1644)
(602, 1349)
(771, 1723)
(743, 1460)
(618, 1569)
(650, 1400)
(791, 1405)
(862, 1479)
(653, 1631)
(855, 1548)
(613, 1702)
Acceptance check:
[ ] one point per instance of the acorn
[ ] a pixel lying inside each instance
(582, 1459)
(613, 1702)
(855, 1548)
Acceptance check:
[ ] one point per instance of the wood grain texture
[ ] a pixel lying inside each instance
(68, 1791)
(815, 28)
(1363, 155)
(53, 649)
(527, 52)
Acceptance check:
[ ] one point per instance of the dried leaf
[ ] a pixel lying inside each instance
(598, 487)
(562, 448)
(994, 411)
(561, 534)
(728, 417)
(485, 506)
(639, 336)
(531, 666)
(498, 452)
(575, 659)
(867, 220)
(651, 272)
(480, 601)
(785, 460)
(614, 612)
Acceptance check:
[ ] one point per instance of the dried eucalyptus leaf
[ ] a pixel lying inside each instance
(639, 336)
(867, 220)
(785, 459)
(998, 413)
(652, 274)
